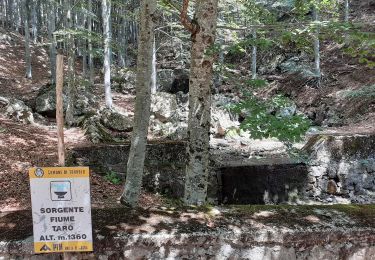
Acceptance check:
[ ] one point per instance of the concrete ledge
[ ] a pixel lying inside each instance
(242, 232)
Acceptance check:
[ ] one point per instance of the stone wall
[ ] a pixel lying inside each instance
(164, 164)
(341, 169)
(298, 232)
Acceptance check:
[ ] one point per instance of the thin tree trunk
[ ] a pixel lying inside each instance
(39, 14)
(27, 38)
(154, 72)
(71, 57)
(84, 48)
(203, 37)
(34, 22)
(218, 78)
(17, 15)
(52, 42)
(346, 19)
(136, 159)
(4, 16)
(10, 13)
(106, 8)
(254, 57)
(124, 38)
(317, 49)
(89, 28)
(346, 15)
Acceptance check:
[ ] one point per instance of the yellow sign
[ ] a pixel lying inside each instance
(61, 208)
(59, 172)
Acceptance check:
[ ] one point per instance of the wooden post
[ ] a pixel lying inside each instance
(60, 109)
(60, 116)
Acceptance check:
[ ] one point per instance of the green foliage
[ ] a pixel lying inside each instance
(112, 177)
(364, 92)
(256, 83)
(274, 117)
(362, 45)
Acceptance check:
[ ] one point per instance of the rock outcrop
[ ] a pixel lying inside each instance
(17, 110)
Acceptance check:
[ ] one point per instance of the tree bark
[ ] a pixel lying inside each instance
(89, 28)
(34, 22)
(254, 57)
(317, 49)
(203, 37)
(346, 19)
(154, 72)
(136, 159)
(346, 15)
(71, 58)
(52, 42)
(123, 40)
(26, 15)
(106, 8)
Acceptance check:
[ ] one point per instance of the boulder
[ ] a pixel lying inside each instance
(221, 118)
(164, 79)
(279, 7)
(124, 79)
(17, 110)
(116, 120)
(164, 106)
(296, 65)
(45, 102)
(287, 111)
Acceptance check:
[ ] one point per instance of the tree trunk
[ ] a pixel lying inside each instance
(89, 28)
(25, 8)
(123, 40)
(346, 15)
(71, 57)
(203, 38)
(10, 13)
(136, 159)
(34, 22)
(40, 11)
(317, 49)
(254, 57)
(346, 19)
(17, 15)
(154, 72)
(52, 42)
(106, 8)
(83, 43)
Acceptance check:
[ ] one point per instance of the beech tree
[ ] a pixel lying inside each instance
(71, 58)
(203, 30)
(136, 159)
(89, 42)
(316, 47)
(106, 8)
(51, 38)
(254, 57)
(26, 15)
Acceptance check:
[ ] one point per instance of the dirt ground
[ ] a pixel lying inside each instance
(25, 146)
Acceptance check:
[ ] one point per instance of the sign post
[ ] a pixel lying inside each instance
(61, 208)
(60, 196)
